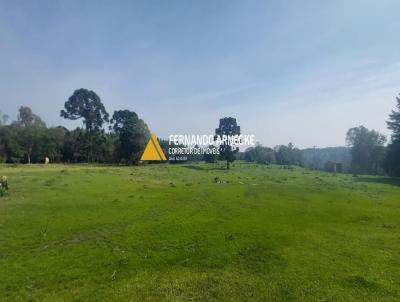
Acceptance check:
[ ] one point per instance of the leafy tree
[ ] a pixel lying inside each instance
(51, 144)
(212, 156)
(394, 121)
(227, 127)
(289, 155)
(20, 140)
(30, 127)
(86, 104)
(297, 157)
(250, 154)
(120, 119)
(264, 155)
(133, 135)
(392, 160)
(108, 151)
(391, 163)
(3, 119)
(94, 145)
(69, 145)
(10, 149)
(283, 155)
(367, 151)
(260, 154)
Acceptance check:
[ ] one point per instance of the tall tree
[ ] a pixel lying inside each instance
(394, 121)
(30, 127)
(86, 104)
(3, 119)
(392, 160)
(133, 135)
(227, 127)
(367, 149)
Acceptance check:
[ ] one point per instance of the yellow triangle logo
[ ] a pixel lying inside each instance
(153, 150)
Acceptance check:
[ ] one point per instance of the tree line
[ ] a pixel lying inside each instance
(367, 152)
(281, 155)
(29, 140)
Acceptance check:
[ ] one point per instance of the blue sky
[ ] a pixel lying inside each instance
(289, 71)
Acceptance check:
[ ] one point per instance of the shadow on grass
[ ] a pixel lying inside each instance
(201, 168)
(360, 283)
(394, 181)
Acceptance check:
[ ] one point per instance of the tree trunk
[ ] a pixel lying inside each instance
(29, 154)
(227, 164)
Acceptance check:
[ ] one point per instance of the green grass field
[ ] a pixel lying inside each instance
(171, 233)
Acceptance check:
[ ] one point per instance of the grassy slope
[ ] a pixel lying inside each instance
(166, 232)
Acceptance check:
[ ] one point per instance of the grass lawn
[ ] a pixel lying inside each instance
(171, 233)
